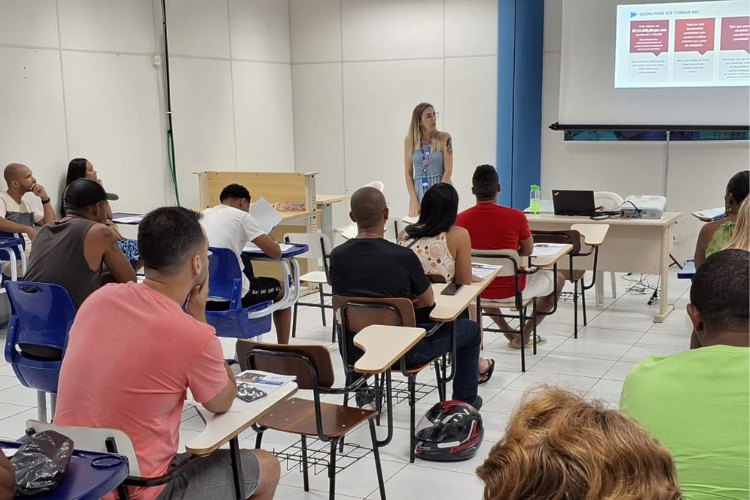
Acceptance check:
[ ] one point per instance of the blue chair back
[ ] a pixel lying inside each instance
(225, 283)
(41, 315)
(12, 241)
(224, 275)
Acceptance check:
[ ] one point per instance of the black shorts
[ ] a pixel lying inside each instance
(261, 290)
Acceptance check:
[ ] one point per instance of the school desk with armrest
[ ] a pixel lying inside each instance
(223, 428)
(631, 246)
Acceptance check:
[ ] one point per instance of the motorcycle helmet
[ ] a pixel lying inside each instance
(449, 431)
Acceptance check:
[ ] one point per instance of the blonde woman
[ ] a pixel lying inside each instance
(741, 237)
(560, 446)
(428, 155)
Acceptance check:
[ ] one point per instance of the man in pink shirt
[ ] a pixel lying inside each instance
(133, 353)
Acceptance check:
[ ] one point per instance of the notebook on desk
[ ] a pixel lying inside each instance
(567, 202)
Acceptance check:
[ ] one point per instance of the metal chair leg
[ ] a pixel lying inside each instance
(322, 303)
(53, 403)
(258, 439)
(441, 388)
(305, 477)
(583, 305)
(521, 328)
(575, 309)
(412, 416)
(294, 320)
(332, 471)
(41, 405)
(376, 454)
(613, 278)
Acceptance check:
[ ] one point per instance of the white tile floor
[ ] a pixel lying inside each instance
(619, 334)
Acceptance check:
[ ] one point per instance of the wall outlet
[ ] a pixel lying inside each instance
(156, 60)
(674, 238)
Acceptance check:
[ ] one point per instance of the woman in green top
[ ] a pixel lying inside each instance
(715, 236)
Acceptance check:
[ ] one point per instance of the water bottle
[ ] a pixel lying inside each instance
(534, 199)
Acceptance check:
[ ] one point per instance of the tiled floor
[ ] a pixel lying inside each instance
(619, 334)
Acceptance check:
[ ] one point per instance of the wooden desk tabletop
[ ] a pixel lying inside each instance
(593, 234)
(549, 260)
(288, 215)
(449, 307)
(221, 428)
(384, 345)
(321, 199)
(667, 219)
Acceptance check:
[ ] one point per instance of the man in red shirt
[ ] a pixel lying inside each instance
(494, 227)
(133, 353)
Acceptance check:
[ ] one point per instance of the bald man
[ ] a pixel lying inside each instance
(370, 266)
(18, 214)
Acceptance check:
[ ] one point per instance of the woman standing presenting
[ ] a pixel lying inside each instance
(428, 155)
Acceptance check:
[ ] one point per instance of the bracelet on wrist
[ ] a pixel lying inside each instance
(44, 202)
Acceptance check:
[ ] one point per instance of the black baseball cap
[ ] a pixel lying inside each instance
(83, 193)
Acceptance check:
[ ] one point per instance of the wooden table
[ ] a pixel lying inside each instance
(631, 246)
(324, 202)
(226, 427)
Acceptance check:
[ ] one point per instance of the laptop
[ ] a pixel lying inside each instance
(573, 202)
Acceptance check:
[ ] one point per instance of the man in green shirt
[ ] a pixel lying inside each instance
(697, 403)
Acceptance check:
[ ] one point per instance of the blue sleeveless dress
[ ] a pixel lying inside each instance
(434, 171)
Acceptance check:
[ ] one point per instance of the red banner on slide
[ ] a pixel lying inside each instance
(649, 36)
(694, 35)
(735, 33)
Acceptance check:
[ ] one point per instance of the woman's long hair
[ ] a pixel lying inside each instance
(415, 132)
(76, 170)
(438, 213)
(559, 446)
(741, 237)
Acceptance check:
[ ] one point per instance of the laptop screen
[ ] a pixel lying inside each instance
(573, 202)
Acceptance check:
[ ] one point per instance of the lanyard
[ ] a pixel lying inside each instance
(425, 155)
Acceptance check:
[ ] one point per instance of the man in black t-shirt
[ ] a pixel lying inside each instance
(370, 266)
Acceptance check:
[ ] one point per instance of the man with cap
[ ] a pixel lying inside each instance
(79, 252)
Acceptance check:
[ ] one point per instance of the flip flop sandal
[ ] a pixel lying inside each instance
(486, 376)
(539, 341)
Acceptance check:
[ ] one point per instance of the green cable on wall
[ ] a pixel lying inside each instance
(170, 131)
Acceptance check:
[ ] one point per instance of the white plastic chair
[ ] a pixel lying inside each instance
(319, 247)
(608, 201)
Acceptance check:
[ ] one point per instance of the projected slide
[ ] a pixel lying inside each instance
(686, 44)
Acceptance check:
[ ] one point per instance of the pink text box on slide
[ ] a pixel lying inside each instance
(735, 33)
(694, 35)
(649, 36)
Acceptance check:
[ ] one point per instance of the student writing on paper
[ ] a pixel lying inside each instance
(230, 225)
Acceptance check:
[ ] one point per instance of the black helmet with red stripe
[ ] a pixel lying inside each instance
(449, 431)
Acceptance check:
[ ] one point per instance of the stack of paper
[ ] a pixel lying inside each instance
(710, 214)
(482, 270)
(542, 249)
(265, 381)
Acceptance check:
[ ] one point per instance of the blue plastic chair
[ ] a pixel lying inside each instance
(41, 316)
(225, 283)
(12, 249)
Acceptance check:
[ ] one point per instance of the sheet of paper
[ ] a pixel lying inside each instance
(9, 452)
(482, 270)
(266, 216)
(130, 219)
(711, 213)
(542, 249)
(253, 248)
(410, 220)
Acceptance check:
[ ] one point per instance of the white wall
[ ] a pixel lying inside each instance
(360, 66)
(698, 172)
(76, 79)
(231, 86)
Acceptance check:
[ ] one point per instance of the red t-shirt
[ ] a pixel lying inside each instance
(132, 354)
(493, 227)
